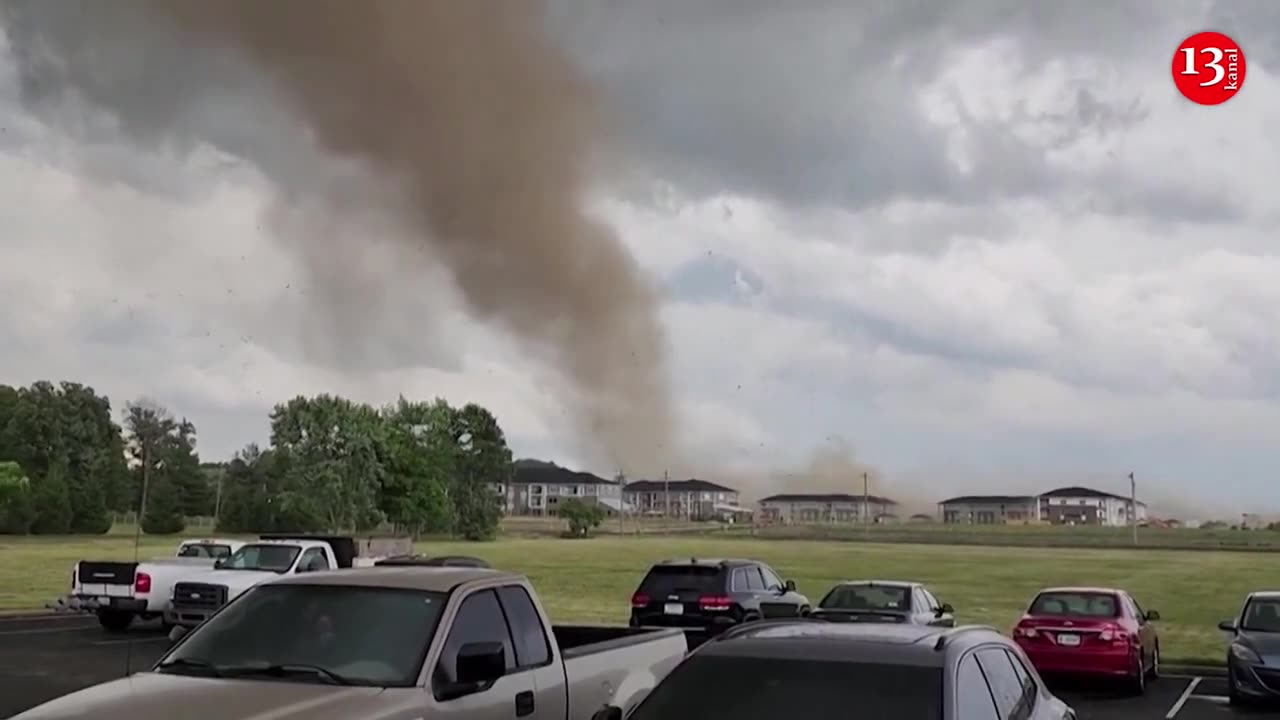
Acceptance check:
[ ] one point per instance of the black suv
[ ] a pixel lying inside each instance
(713, 594)
(814, 669)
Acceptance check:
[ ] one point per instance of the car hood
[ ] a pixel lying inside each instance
(1266, 645)
(154, 696)
(237, 581)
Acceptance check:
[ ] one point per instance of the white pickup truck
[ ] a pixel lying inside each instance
(198, 595)
(120, 592)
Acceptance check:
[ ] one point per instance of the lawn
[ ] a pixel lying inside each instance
(591, 580)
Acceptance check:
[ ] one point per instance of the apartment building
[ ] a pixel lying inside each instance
(691, 499)
(537, 487)
(1086, 506)
(799, 508)
(990, 509)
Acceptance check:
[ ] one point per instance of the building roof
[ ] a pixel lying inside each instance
(691, 485)
(827, 498)
(530, 471)
(1075, 491)
(988, 499)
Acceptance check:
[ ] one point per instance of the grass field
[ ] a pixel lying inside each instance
(591, 580)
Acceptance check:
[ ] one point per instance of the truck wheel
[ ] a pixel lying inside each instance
(115, 620)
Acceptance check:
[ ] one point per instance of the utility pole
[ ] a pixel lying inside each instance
(666, 495)
(1133, 507)
(866, 508)
(622, 501)
(217, 500)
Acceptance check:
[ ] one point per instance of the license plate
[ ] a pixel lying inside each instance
(104, 600)
(673, 609)
(1068, 639)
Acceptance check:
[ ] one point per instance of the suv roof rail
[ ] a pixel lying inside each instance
(951, 633)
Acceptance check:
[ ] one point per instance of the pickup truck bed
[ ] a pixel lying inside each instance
(615, 665)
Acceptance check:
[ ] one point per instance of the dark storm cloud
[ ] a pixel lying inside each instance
(814, 102)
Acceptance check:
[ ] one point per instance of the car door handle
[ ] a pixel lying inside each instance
(524, 703)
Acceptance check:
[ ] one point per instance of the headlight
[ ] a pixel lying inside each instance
(1244, 654)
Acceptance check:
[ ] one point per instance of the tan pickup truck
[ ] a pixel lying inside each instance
(387, 643)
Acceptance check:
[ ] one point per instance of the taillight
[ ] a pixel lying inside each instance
(1113, 634)
(142, 583)
(1024, 630)
(715, 602)
(639, 600)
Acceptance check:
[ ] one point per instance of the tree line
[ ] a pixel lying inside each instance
(331, 464)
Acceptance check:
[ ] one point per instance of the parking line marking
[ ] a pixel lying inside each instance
(1182, 700)
(1219, 699)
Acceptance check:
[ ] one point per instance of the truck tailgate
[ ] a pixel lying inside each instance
(618, 670)
(105, 578)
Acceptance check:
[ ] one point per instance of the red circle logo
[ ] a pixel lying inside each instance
(1209, 68)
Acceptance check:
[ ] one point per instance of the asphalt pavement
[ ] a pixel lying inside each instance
(44, 657)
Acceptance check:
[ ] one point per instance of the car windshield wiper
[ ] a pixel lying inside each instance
(190, 664)
(283, 669)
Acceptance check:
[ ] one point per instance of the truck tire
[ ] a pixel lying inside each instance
(115, 620)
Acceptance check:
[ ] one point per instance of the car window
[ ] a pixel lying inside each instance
(479, 619)
(771, 580)
(313, 559)
(755, 581)
(973, 696)
(929, 598)
(740, 583)
(1006, 687)
(664, 580)
(532, 648)
(1077, 604)
(1136, 609)
(1030, 688)
(1262, 615)
(867, 597)
(767, 688)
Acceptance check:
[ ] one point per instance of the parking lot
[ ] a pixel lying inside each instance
(44, 657)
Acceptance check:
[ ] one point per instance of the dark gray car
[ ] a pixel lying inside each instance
(884, 601)
(1253, 659)
(805, 669)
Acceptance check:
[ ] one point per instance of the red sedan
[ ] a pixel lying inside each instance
(1091, 631)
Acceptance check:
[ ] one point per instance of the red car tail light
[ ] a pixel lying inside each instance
(715, 602)
(639, 600)
(1114, 635)
(1025, 628)
(142, 583)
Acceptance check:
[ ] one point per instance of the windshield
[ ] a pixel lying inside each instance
(1262, 615)
(273, 558)
(364, 635)
(668, 579)
(1076, 604)
(749, 688)
(867, 597)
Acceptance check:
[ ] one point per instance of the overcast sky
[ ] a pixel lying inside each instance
(987, 243)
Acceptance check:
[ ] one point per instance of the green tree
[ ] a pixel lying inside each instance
(17, 509)
(51, 497)
(419, 457)
(484, 463)
(582, 517)
(166, 470)
(331, 449)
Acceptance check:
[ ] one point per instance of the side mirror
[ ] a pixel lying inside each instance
(1227, 626)
(946, 608)
(481, 663)
(789, 585)
(177, 633)
(608, 712)
(1153, 615)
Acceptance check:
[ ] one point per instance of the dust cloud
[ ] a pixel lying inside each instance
(487, 136)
